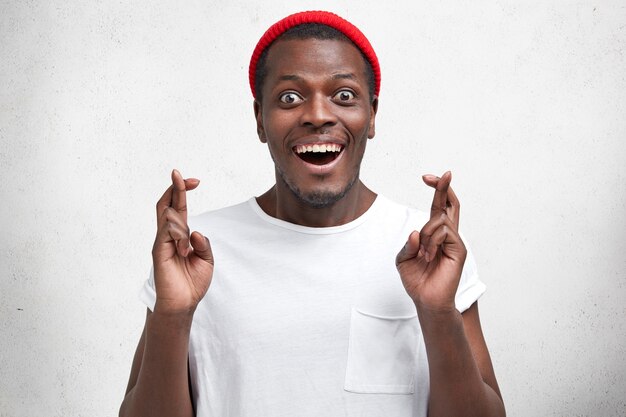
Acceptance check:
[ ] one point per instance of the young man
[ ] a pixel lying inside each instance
(307, 313)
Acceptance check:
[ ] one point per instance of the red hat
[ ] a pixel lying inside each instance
(325, 18)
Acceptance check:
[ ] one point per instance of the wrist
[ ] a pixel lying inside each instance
(168, 317)
(437, 315)
(442, 309)
(166, 307)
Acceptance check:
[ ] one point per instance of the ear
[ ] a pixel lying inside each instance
(372, 126)
(258, 115)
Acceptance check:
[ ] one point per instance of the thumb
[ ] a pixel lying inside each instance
(410, 248)
(201, 247)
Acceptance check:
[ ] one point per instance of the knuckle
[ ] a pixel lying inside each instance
(173, 229)
(164, 211)
(170, 213)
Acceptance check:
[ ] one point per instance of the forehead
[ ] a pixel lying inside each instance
(314, 57)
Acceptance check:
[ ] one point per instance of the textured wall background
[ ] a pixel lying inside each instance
(526, 103)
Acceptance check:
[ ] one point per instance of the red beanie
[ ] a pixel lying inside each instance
(324, 18)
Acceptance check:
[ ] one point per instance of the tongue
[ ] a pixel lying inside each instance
(318, 158)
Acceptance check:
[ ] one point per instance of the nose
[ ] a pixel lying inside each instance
(318, 112)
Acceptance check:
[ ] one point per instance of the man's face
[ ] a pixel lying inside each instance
(316, 116)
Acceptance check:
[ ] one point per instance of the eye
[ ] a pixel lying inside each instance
(345, 95)
(290, 98)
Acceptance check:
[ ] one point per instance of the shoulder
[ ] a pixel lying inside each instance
(392, 211)
(223, 218)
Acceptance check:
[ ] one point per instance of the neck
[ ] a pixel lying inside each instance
(283, 205)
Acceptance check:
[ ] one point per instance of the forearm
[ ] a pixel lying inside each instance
(162, 387)
(456, 385)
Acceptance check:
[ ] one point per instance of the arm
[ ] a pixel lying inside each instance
(462, 381)
(158, 383)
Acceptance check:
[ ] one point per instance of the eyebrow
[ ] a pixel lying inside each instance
(290, 77)
(344, 76)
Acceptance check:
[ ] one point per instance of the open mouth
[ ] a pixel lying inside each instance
(318, 154)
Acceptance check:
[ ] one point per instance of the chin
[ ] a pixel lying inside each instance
(319, 198)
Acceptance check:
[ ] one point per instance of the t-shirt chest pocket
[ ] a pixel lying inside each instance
(382, 353)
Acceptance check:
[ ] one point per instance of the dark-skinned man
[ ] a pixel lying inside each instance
(301, 304)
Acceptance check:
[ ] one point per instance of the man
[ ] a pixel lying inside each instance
(306, 314)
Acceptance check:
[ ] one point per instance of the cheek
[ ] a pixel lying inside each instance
(276, 126)
(358, 124)
(275, 133)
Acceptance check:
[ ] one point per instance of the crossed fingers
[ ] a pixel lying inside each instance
(172, 213)
(443, 226)
(444, 200)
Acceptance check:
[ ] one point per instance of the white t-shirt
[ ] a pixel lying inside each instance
(303, 321)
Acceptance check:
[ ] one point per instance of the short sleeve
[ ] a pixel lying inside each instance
(470, 286)
(147, 295)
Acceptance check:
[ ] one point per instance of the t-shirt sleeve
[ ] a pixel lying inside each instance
(470, 286)
(147, 294)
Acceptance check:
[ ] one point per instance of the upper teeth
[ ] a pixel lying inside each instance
(324, 147)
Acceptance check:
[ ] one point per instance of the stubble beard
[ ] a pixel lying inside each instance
(316, 199)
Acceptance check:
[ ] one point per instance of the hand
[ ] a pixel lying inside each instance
(182, 274)
(431, 261)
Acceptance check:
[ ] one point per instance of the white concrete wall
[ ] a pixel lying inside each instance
(524, 101)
